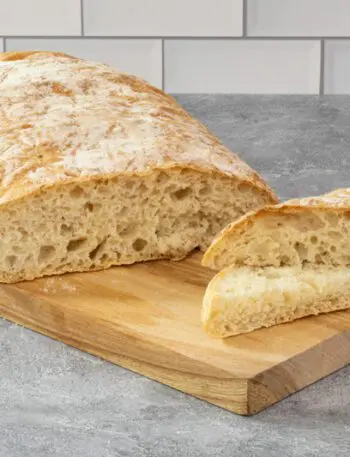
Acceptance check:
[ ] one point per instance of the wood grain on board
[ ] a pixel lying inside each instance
(146, 317)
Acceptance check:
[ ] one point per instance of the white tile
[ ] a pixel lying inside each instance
(308, 18)
(337, 67)
(163, 17)
(40, 17)
(1, 44)
(138, 57)
(254, 66)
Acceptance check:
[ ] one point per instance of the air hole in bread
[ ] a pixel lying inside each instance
(89, 207)
(284, 260)
(162, 178)
(244, 187)
(46, 253)
(314, 239)
(301, 250)
(142, 188)
(181, 193)
(93, 254)
(65, 229)
(75, 245)
(104, 259)
(318, 258)
(76, 192)
(139, 244)
(129, 184)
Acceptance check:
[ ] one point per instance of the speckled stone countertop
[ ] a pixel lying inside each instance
(58, 402)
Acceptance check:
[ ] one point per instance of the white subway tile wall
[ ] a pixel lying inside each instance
(295, 18)
(193, 46)
(40, 17)
(337, 67)
(139, 57)
(163, 17)
(247, 66)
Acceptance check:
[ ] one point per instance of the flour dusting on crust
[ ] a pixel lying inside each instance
(62, 117)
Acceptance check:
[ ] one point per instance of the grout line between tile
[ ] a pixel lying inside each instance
(82, 17)
(322, 68)
(163, 66)
(4, 44)
(245, 18)
(157, 37)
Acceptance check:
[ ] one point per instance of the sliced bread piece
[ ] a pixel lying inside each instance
(239, 300)
(314, 230)
(98, 168)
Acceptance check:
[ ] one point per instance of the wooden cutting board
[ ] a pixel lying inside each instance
(146, 318)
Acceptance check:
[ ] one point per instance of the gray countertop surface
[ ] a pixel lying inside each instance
(58, 402)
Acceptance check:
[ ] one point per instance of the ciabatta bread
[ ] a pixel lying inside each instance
(98, 168)
(239, 300)
(314, 230)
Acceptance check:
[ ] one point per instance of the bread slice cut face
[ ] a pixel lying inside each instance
(240, 300)
(313, 230)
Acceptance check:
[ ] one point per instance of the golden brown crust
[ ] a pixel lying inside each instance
(22, 55)
(49, 104)
(337, 200)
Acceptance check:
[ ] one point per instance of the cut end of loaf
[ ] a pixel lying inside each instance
(97, 223)
(240, 300)
(284, 237)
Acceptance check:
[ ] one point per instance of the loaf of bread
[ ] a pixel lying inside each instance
(313, 230)
(98, 168)
(280, 263)
(239, 300)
